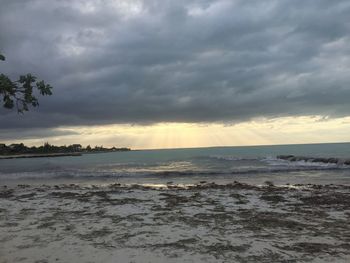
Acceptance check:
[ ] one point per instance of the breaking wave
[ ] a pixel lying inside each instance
(204, 166)
(315, 160)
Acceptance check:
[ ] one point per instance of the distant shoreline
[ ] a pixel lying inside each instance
(39, 155)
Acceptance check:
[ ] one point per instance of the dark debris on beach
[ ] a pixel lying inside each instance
(206, 222)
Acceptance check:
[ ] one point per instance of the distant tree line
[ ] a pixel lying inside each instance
(20, 148)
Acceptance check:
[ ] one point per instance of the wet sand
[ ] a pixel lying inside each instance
(204, 222)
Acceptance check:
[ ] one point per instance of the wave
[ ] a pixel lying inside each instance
(231, 158)
(285, 162)
(315, 160)
(165, 174)
(215, 165)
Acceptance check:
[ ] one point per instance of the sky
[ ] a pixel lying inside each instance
(167, 74)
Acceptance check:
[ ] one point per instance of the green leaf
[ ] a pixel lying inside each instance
(44, 89)
(8, 102)
(2, 57)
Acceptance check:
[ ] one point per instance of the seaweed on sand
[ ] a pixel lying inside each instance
(255, 220)
(273, 198)
(97, 233)
(6, 193)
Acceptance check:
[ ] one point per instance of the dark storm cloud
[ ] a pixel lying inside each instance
(186, 61)
(11, 134)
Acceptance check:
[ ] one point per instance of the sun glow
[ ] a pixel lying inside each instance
(286, 130)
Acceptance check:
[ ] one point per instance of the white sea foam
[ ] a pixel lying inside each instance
(307, 163)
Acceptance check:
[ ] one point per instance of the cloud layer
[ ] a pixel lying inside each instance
(130, 61)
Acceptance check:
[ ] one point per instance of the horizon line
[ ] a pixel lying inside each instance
(238, 146)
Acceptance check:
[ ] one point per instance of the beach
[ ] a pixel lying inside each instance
(204, 222)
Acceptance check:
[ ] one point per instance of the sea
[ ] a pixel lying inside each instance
(250, 164)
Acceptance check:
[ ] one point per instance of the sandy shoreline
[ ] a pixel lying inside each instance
(206, 222)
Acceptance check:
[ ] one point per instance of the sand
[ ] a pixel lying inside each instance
(205, 222)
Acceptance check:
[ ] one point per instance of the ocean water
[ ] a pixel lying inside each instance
(252, 164)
